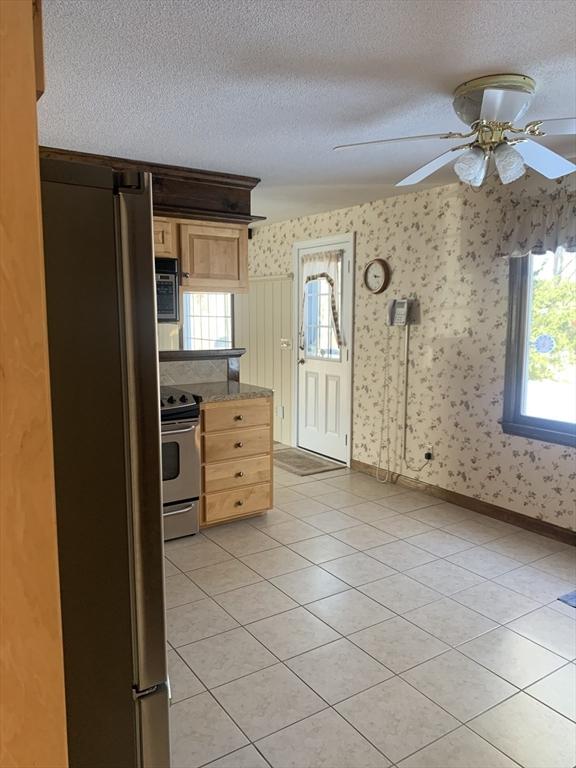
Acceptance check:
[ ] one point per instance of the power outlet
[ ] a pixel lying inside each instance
(428, 454)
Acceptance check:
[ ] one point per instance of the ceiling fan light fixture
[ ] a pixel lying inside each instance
(471, 166)
(509, 163)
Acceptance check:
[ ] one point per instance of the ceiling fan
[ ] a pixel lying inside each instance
(491, 105)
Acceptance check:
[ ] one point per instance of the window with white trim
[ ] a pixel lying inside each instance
(207, 320)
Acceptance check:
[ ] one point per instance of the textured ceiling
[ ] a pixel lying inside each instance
(267, 87)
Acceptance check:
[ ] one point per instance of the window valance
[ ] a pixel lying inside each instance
(536, 226)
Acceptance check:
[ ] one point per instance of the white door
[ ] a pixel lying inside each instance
(324, 271)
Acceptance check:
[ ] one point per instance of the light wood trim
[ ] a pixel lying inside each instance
(211, 228)
(242, 501)
(38, 48)
(32, 705)
(235, 474)
(220, 446)
(237, 414)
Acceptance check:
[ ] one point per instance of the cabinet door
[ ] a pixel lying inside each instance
(214, 257)
(165, 239)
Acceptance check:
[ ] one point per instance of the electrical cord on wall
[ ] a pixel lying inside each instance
(385, 416)
(385, 413)
(405, 415)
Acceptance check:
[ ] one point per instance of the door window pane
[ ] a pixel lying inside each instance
(320, 338)
(549, 381)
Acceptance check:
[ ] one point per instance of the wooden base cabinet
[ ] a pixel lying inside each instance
(237, 459)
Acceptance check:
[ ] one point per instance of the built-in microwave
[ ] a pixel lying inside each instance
(166, 289)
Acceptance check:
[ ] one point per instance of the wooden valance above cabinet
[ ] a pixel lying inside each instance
(213, 256)
(186, 193)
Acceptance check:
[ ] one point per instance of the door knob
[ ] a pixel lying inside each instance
(301, 361)
(185, 274)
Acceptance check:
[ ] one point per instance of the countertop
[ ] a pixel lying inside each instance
(217, 391)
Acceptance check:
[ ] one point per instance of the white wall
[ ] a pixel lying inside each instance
(442, 247)
(262, 318)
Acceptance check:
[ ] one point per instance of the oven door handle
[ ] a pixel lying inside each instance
(178, 431)
(179, 511)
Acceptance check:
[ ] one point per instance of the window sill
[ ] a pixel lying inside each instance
(534, 432)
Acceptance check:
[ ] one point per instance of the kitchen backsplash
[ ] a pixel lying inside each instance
(177, 372)
(442, 247)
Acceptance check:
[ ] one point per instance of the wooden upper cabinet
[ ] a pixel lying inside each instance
(214, 256)
(165, 237)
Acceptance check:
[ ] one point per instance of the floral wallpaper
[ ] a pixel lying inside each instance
(442, 246)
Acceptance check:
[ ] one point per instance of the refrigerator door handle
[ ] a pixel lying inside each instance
(143, 457)
(143, 429)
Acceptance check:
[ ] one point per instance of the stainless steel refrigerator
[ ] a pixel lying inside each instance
(100, 292)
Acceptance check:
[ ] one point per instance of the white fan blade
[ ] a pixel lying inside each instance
(433, 165)
(543, 160)
(402, 138)
(559, 126)
(503, 106)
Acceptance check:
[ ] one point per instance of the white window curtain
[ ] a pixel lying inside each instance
(539, 225)
(319, 266)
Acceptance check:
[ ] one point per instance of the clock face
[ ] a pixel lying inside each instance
(376, 276)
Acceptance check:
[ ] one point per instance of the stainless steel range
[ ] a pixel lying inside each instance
(181, 477)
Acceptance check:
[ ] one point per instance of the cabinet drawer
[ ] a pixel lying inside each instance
(234, 445)
(242, 501)
(165, 239)
(235, 474)
(237, 414)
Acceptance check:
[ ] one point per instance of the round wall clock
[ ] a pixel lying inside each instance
(377, 275)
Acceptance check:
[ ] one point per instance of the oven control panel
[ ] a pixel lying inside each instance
(177, 404)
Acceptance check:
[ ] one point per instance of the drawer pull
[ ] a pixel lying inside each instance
(239, 417)
(240, 474)
(239, 444)
(239, 503)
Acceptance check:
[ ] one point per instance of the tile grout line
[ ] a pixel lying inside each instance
(303, 605)
(352, 587)
(443, 596)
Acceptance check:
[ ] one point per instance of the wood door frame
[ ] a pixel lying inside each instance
(331, 242)
(32, 694)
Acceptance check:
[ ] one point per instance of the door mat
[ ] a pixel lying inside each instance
(569, 599)
(302, 463)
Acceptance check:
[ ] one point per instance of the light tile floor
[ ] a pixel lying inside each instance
(359, 625)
